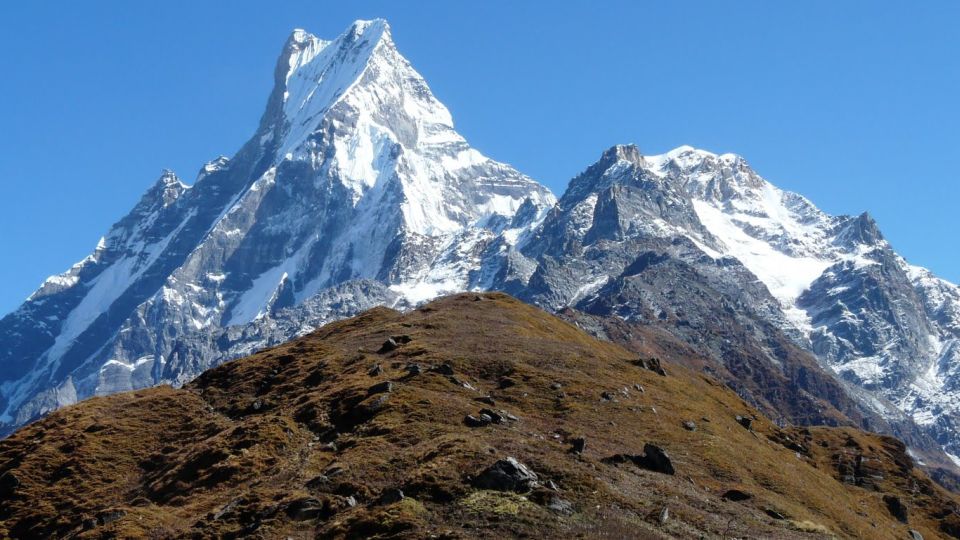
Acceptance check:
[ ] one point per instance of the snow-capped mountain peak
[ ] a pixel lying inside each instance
(355, 181)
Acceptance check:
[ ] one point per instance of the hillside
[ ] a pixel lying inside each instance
(361, 428)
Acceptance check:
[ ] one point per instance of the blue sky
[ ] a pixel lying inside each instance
(853, 104)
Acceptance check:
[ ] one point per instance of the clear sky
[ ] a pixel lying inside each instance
(853, 104)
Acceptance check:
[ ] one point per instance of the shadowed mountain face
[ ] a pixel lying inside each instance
(474, 416)
(356, 191)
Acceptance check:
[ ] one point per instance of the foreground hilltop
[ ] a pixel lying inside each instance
(475, 416)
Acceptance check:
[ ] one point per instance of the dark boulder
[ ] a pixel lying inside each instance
(8, 484)
(650, 364)
(443, 369)
(389, 345)
(896, 507)
(653, 459)
(380, 388)
(390, 496)
(507, 475)
(307, 509)
(736, 495)
(477, 421)
(109, 516)
(578, 445)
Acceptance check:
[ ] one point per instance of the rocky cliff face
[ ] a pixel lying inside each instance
(356, 191)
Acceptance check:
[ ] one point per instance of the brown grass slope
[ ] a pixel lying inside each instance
(291, 442)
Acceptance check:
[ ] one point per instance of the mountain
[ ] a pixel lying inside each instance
(701, 244)
(484, 417)
(354, 176)
(356, 191)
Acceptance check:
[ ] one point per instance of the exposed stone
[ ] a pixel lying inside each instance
(109, 516)
(507, 475)
(477, 421)
(389, 345)
(651, 364)
(381, 388)
(8, 484)
(653, 459)
(375, 371)
(915, 535)
(578, 445)
(494, 416)
(736, 495)
(774, 514)
(306, 509)
(413, 369)
(506, 382)
(443, 369)
(486, 399)
(664, 515)
(745, 421)
(690, 425)
(556, 386)
(390, 496)
(896, 507)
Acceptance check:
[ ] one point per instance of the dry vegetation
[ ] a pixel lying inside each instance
(291, 442)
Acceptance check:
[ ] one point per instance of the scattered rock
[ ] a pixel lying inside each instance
(494, 416)
(745, 421)
(477, 421)
(774, 514)
(443, 369)
(414, 369)
(506, 382)
(656, 459)
(736, 495)
(384, 387)
(651, 364)
(375, 370)
(638, 388)
(578, 445)
(553, 502)
(556, 386)
(507, 475)
(664, 515)
(8, 484)
(486, 399)
(401, 339)
(306, 509)
(608, 396)
(464, 384)
(915, 535)
(390, 496)
(109, 516)
(389, 345)
(896, 507)
(653, 459)
(690, 425)
(351, 501)
(227, 508)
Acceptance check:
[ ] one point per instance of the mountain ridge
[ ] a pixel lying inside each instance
(355, 191)
(473, 416)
